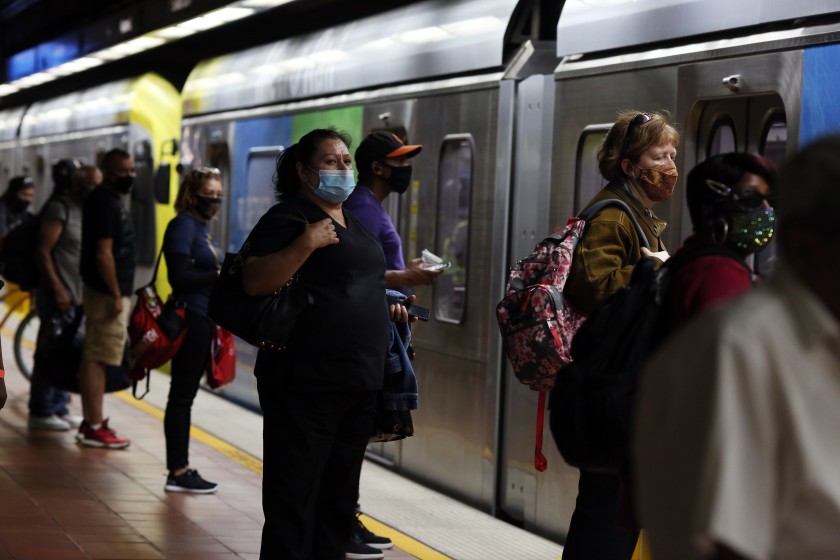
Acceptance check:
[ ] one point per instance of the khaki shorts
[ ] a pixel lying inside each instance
(105, 333)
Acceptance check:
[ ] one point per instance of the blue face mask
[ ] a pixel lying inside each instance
(334, 185)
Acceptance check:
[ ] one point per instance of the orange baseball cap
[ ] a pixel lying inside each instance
(380, 145)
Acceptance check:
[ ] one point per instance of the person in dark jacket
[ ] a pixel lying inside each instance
(637, 158)
(318, 396)
(193, 261)
(15, 203)
(729, 202)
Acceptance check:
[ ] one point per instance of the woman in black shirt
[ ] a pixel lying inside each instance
(318, 396)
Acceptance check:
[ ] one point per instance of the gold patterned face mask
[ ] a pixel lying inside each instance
(659, 182)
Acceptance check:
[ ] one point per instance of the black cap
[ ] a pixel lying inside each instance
(380, 145)
(63, 170)
(19, 183)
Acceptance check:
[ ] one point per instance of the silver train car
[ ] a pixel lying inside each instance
(510, 125)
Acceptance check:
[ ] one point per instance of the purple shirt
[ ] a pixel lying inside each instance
(370, 212)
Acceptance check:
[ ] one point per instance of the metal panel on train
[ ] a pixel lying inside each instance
(588, 26)
(422, 41)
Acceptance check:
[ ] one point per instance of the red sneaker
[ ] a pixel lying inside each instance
(101, 437)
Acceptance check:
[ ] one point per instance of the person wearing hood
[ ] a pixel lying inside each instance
(15, 203)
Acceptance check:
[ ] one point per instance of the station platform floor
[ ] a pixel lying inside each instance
(59, 500)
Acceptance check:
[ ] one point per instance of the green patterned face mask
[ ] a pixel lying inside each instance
(752, 231)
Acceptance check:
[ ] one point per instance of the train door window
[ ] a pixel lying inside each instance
(455, 181)
(589, 180)
(773, 146)
(143, 203)
(774, 140)
(258, 197)
(722, 139)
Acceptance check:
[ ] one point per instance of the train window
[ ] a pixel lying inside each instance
(773, 146)
(722, 139)
(589, 180)
(455, 179)
(250, 203)
(774, 140)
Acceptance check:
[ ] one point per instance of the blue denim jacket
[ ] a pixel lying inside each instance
(399, 390)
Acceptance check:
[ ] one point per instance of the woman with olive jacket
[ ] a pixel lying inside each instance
(637, 158)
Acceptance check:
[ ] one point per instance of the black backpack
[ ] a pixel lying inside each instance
(18, 254)
(592, 402)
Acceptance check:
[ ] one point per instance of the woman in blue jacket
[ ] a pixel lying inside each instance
(193, 262)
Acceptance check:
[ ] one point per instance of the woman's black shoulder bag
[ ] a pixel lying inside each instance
(263, 321)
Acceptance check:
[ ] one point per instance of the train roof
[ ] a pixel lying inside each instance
(413, 43)
(111, 104)
(590, 26)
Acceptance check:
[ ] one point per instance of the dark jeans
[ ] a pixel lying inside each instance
(314, 445)
(188, 367)
(44, 399)
(593, 533)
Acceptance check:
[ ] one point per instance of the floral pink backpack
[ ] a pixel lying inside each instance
(536, 321)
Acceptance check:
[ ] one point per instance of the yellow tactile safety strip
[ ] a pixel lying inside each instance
(402, 541)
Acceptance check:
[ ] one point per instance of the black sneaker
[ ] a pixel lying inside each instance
(359, 550)
(191, 482)
(366, 536)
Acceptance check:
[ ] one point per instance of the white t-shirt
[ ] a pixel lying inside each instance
(738, 431)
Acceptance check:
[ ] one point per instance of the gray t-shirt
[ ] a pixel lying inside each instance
(68, 249)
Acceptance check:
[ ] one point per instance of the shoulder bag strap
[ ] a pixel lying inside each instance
(589, 213)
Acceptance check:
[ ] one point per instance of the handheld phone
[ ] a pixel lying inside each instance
(420, 312)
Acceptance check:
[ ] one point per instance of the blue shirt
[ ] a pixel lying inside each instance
(186, 235)
(370, 212)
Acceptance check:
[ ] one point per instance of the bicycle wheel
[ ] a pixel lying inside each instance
(25, 337)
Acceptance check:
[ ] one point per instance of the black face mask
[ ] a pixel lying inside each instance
(123, 184)
(17, 205)
(400, 178)
(207, 206)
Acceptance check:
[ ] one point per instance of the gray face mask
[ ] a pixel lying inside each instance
(753, 230)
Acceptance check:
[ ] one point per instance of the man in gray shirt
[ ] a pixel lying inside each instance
(59, 294)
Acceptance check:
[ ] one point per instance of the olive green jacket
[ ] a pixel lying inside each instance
(609, 249)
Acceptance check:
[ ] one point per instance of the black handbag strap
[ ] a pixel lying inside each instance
(154, 274)
(243, 251)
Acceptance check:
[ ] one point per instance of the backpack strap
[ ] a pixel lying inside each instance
(588, 213)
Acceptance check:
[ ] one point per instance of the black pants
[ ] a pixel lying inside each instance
(44, 399)
(593, 533)
(188, 366)
(313, 448)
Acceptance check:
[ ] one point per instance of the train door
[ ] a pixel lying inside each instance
(530, 205)
(752, 117)
(396, 117)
